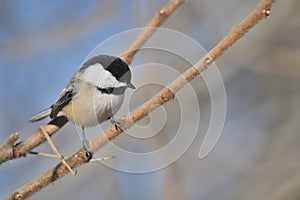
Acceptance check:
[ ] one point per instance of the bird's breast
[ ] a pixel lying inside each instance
(90, 107)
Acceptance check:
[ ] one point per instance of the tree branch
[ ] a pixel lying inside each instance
(7, 147)
(22, 148)
(158, 19)
(166, 94)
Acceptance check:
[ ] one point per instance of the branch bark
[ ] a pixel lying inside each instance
(166, 94)
(7, 147)
(158, 19)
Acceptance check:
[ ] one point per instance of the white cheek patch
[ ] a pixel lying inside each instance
(96, 75)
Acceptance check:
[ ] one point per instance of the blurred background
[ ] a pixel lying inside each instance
(257, 156)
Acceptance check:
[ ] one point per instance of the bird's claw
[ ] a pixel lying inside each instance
(89, 155)
(116, 123)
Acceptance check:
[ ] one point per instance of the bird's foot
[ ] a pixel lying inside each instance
(86, 148)
(116, 123)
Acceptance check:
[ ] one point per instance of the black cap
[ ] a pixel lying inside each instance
(117, 67)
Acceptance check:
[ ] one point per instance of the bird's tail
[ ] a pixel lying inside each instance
(41, 115)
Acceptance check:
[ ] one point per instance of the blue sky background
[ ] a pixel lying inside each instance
(43, 43)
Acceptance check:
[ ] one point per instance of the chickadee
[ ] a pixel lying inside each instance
(94, 94)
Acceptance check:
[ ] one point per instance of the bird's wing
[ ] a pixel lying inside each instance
(65, 96)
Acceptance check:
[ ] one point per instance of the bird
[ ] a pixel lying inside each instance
(93, 95)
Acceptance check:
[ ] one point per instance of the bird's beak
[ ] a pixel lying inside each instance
(130, 85)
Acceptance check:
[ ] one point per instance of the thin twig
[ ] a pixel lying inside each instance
(158, 19)
(162, 97)
(55, 150)
(33, 141)
(44, 154)
(53, 126)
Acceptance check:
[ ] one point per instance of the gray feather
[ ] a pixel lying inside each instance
(41, 115)
(64, 98)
